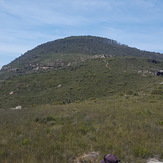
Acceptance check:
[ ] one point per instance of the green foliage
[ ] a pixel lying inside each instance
(25, 142)
(141, 152)
(90, 80)
(157, 92)
(51, 118)
(130, 92)
(129, 128)
(160, 122)
(110, 105)
(70, 51)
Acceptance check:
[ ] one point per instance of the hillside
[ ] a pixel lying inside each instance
(79, 95)
(94, 78)
(71, 50)
(131, 127)
(77, 68)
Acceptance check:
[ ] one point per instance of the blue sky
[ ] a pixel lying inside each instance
(25, 24)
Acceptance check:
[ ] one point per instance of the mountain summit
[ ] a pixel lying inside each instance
(71, 50)
(63, 100)
(77, 68)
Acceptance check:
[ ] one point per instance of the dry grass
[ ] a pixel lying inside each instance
(131, 128)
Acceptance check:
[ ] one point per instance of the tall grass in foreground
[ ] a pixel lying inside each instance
(131, 128)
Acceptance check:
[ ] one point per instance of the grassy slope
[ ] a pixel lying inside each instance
(115, 110)
(57, 60)
(130, 127)
(91, 79)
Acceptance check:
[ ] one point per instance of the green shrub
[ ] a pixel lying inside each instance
(130, 92)
(157, 92)
(37, 120)
(141, 151)
(25, 142)
(92, 98)
(160, 123)
(51, 118)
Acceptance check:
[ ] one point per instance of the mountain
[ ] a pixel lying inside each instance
(91, 79)
(78, 68)
(79, 96)
(72, 50)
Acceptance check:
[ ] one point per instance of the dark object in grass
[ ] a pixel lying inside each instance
(160, 73)
(109, 158)
(153, 61)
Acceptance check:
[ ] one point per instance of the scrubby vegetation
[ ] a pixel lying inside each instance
(79, 95)
(130, 127)
(71, 50)
(91, 79)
